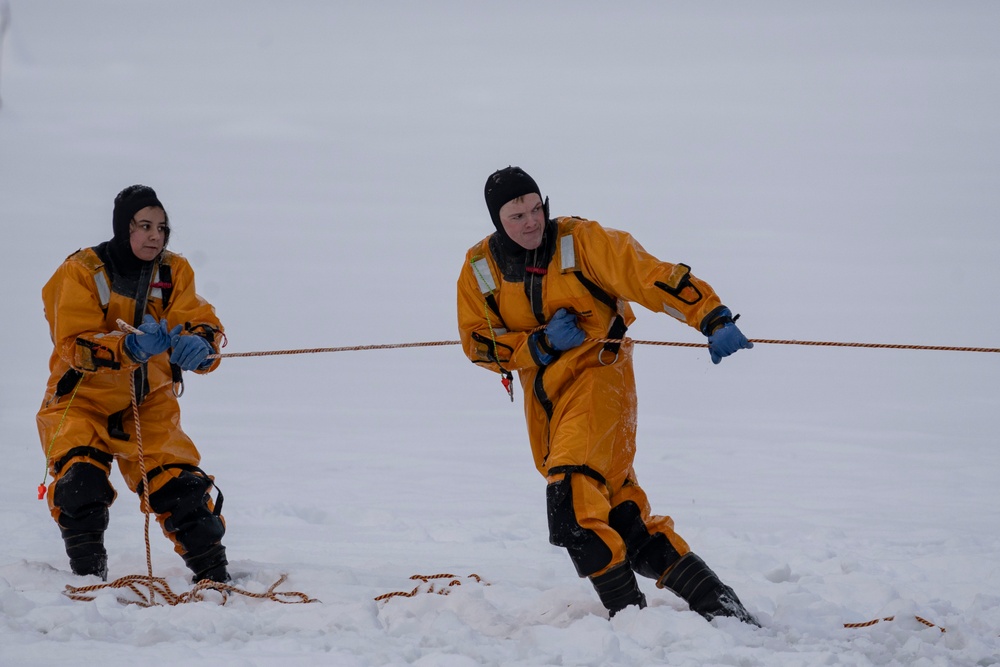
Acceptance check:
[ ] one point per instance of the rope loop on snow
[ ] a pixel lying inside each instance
(887, 619)
(454, 580)
(159, 586)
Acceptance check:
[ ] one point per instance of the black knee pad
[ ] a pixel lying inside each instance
(83, 496)
(182, 494)
(650, 554)
(185, 498)
(588, 552)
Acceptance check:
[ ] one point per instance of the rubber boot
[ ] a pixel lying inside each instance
(210, 565)
(618, 589)
(86, 552)
(694, 582)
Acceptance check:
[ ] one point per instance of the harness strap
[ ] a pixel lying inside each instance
(189, 468)
(92, 453)
(618, 327)
(579, 469)
(116, 425)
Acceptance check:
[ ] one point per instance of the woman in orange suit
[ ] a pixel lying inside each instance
(86, 419)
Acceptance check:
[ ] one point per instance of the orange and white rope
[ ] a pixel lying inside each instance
(454, 580)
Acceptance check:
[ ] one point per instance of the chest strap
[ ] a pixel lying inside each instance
(162, 286)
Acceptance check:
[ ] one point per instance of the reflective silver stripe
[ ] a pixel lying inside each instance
(673, 312)
(156, 291)
(567, 253)
(103, 290)
(484, 276)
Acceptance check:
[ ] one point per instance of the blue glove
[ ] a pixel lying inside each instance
(190, 351)
(725, 337)
(562, 331)
(153, 340)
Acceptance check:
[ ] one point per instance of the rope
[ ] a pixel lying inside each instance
(437, 343)
(771, 341)
(158, 585)
(145, 482)
(317, 350)
(868, 624)
(454, 580)
(764, 341)
(426, 578)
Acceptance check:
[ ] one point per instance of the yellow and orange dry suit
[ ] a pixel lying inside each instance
(91, 372)
(581, 408)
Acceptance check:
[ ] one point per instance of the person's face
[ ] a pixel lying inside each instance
(148, 232)
(524, 220)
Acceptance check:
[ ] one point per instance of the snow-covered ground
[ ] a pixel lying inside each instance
(831, 168)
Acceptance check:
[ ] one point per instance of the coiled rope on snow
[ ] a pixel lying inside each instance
(158, 585)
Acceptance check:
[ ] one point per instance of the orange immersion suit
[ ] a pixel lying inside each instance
(581, 408)
(86, 415)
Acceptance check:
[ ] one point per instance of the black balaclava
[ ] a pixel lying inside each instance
(130, 201)
(506, 185)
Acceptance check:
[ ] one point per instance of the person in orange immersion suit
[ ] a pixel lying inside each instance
(86, 418)
(530, 298)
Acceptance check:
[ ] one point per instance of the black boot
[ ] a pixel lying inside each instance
(618, 589)
(210, 565)
(86, 552)
(693, 581)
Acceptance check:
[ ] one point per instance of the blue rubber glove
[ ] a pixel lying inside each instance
(562, 331)
(727, 338)
(153, 340)
(190, 351)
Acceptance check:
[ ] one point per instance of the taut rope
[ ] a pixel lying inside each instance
(763, 341)
(438, 343)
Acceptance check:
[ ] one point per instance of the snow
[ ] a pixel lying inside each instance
(830, 168)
